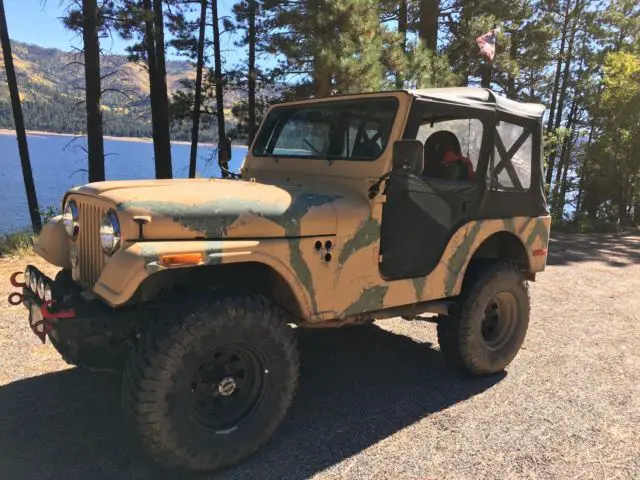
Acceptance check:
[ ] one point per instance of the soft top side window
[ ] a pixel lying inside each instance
(452, 147)
(512, 157)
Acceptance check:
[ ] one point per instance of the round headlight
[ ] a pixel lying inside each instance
(27, 276)
(70, 219)
(48, 296)
(41, 288)
(110, 232)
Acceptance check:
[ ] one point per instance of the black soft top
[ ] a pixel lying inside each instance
(482, 98)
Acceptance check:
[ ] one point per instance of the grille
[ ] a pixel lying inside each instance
(91, 258)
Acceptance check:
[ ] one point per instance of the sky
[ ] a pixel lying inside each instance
(38, 22)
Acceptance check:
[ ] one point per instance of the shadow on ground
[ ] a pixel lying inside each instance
(616, 250)
(358, 386)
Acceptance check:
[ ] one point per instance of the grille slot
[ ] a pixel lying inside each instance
(90, 256)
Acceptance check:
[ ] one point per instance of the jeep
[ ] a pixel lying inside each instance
(421, 204)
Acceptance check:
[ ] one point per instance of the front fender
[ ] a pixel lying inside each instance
(53, 243)
(129, 267)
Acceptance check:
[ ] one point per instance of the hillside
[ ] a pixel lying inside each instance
(51, 84)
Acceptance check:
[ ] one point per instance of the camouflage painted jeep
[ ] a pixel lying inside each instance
(346, 210)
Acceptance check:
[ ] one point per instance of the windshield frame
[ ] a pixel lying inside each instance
(269, 130)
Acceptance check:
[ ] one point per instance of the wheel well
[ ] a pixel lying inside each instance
(503, 246)
(499, 246)
(249, 277)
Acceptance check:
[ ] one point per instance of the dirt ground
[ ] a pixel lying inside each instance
(381, 403)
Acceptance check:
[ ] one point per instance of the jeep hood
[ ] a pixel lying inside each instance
(219, 208)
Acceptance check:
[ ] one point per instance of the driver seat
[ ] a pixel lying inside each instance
(435, 149)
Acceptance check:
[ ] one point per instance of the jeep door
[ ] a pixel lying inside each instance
(422, 211)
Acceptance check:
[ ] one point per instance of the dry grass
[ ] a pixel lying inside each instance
(380, 402)
(16, 244)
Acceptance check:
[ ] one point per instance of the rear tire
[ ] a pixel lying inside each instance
(207, 389)
(488, 328)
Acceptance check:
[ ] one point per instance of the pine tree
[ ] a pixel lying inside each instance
(186, 105)
(224, 143)
(248, 18)
(144, 20)
(330, 46)
(32, 199)
(88, 18)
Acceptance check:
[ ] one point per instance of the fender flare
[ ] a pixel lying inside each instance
(129, 267)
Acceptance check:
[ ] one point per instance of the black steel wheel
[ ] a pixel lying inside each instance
(228, 386)
(499, 321)
(491, 322)
(208, 388)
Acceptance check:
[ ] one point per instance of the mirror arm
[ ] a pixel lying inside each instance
(375, 188)
(230, 173)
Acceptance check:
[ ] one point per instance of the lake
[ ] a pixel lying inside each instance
(59, 163)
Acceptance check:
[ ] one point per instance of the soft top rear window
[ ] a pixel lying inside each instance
(336, 130)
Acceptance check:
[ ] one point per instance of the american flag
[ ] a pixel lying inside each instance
(487, 44)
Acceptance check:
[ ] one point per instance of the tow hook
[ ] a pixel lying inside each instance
(50, 311)
(50, 314)
(15, 282)
(15, 299)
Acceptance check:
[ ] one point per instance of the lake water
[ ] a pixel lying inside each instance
(59, 163)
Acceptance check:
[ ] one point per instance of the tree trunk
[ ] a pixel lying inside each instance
(486, 75)
(402, 30)
(428, 28)
(252, 4)
(583, 170)
(560, 202)
(162, 154)
(556, 87)
(197, 103)
(567, 66)
(30, 189)
(164, 137)
(322, 84)
(322, 76)
(513, 53)
(95, 141)
(564, 160)
(224, 145)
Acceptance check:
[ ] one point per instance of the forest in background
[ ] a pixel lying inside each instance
(580, 58)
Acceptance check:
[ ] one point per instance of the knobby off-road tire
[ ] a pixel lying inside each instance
(491, 320)
(184, 369)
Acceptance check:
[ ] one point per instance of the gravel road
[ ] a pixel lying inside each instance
(380, 402)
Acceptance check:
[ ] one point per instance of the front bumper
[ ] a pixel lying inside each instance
(67, 315)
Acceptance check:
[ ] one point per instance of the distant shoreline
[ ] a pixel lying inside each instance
(39, 133)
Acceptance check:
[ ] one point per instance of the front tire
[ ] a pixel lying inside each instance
(207, 389)
(490, 324)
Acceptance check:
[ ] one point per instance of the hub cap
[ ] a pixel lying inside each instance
(500, 319)
(227, 387)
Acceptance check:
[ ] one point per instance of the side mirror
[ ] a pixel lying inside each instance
(408, 155)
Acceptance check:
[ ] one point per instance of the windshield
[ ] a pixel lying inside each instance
(336, 130)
